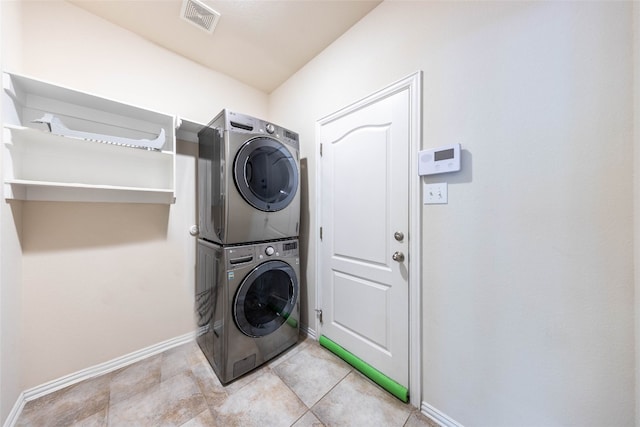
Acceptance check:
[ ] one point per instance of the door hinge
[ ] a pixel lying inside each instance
(320, 233)
(319, 314)
(320, 150)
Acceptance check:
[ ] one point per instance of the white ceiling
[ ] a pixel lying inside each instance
(258, 42)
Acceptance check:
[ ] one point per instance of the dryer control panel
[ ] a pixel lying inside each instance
(244, 123)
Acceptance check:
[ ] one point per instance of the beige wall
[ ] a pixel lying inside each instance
(636, 198)
(10, 251)
(528, 271)
(103, 280)
(88, 53)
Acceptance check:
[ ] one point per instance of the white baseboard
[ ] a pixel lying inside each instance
(440, 418)
(12, 419)
(308, 332)
(92, 372)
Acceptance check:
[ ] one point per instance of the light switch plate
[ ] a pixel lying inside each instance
(435, 194)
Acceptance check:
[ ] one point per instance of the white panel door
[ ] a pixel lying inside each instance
(364, 199)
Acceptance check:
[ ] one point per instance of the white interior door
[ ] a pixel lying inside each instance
(364, 202)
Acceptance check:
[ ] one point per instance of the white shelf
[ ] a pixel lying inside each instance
(54, 191)
(39, 165)
(187, 130)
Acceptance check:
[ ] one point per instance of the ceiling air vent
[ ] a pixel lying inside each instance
(200, 15)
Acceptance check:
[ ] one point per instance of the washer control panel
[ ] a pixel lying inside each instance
(270, 128)
(278, 249)
(241, 255)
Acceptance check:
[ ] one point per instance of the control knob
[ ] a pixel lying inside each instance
(269, 250)
(270, 128)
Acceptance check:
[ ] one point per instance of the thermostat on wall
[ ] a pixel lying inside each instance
(439, 160)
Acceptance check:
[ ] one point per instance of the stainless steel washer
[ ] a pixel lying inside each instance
(248, 180)
(247, 304)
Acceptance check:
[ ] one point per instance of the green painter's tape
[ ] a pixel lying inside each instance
(376, 376)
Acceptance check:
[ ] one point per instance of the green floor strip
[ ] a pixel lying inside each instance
(376, 376)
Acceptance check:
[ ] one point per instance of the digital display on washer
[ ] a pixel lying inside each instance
(289, 246)
(291, 135)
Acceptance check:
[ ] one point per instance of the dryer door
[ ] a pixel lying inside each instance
(266, 174)
(265, 298)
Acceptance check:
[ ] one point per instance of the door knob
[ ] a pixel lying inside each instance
(398, 256)
(398, 235)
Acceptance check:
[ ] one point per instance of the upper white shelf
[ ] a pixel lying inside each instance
(40, 165)
(187, 130)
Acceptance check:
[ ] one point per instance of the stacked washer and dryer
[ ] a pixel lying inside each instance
(247, 284)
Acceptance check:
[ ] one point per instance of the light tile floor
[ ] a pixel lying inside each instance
(305, 386)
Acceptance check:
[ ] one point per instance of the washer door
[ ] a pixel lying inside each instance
(265, 299)
(266, 174)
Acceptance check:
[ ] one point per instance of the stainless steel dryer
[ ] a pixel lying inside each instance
(247, 304)
(248, 180)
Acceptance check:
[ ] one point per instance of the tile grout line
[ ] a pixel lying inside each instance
(202, 392)
(108, 413)
(310, 409)
(327, 393)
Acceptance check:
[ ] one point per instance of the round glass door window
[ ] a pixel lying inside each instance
(266, 174)
(265, 298)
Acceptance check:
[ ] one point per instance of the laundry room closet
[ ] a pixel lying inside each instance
(109, 278)
(532, 262)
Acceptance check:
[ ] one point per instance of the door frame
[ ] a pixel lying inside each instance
(412, 83)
